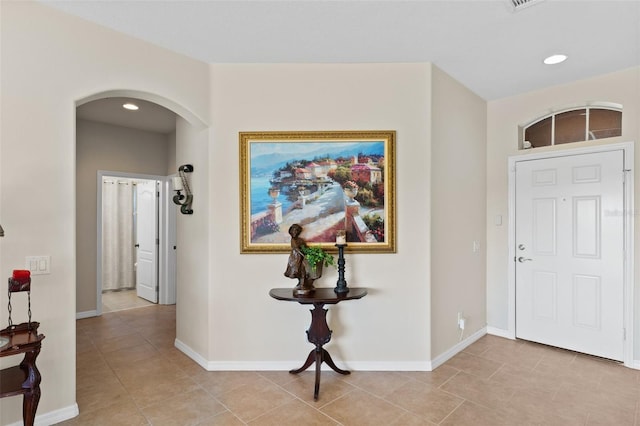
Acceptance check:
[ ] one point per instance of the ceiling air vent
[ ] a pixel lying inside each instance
(521, 4)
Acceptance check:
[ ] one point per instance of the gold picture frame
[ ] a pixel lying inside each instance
(326, 181)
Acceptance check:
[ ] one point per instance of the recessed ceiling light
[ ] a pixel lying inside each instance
(130, 106)
(555, 59)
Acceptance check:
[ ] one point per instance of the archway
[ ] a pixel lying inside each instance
(118, 159)
(169, 104)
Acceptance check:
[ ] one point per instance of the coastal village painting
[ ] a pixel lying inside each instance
(325, 181)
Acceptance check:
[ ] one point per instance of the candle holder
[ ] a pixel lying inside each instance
(341, 285)
(19, 282)
(182, 184)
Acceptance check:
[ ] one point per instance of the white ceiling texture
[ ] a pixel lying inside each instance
(487, 45)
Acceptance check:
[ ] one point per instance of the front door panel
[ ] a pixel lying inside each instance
(569, 252)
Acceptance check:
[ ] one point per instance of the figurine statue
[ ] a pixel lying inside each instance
(297, 265)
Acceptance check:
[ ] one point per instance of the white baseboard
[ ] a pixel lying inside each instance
(388, 365)
(199, 359)
(86, 314)
(446, 356)
(253, 365)
(635, 365)
(355, 365)
(288, 365)
(500, 332)
(53, 417)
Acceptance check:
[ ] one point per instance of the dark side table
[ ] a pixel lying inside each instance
(23, 379)
(318, 333)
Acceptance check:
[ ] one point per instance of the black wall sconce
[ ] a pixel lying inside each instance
(180, 183)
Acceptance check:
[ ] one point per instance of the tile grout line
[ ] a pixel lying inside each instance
(594, 379)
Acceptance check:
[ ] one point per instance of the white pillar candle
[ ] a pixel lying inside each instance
(177, 183)
(341, 239)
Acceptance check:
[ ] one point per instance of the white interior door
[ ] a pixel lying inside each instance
(569, 252)
(147, 240)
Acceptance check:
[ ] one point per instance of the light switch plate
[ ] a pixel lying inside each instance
(38, 265)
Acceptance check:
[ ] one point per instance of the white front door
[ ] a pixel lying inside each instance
(569, 252)
(147, 240)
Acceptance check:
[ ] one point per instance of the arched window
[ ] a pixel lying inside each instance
(573, 125)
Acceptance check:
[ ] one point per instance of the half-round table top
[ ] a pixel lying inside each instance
(320, 295)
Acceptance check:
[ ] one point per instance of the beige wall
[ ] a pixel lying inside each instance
(458, 211)
(172, 167)
(504, 117)
(49, 61)
(194, 267)
(118, 149)
(389, 328)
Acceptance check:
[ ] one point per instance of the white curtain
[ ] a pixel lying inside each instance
(117, 234)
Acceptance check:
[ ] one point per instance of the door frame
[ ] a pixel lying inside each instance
(628, 216)
(168, 234)
(165, 251)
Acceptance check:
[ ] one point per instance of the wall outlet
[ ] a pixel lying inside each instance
(460, 321)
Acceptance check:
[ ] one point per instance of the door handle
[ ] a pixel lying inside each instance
(137, 245)
(523, 259)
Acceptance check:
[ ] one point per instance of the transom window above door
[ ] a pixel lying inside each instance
(573, 125)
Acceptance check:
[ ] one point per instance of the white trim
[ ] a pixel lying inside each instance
(511, 242)
(628, 154)
(352, 365)
(52, 417)
(635, 364)
(288, 365)
(499, 332)
(167, 253)
(453, 351)
(185, 349)
(383, 365)
(86, 314)
(256, 365)
(629, 250)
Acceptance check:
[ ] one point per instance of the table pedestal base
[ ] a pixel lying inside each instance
(23, 379)
(319, 334)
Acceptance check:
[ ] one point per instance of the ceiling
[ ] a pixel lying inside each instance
(486, 45)
(149, 117)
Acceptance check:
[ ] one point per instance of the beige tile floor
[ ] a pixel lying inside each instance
(113, 301)
(129, 373)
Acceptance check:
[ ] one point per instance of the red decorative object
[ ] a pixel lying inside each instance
(21, 275)
(20, 281)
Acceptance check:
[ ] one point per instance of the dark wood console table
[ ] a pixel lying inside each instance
(318, 333)
(23, 379)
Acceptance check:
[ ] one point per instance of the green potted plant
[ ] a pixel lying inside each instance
(316, 257)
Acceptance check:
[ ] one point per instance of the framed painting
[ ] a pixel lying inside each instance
(330, 183)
